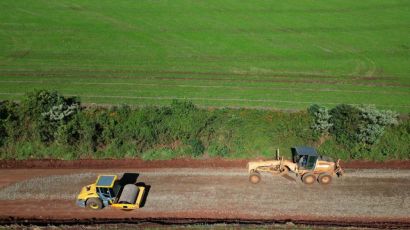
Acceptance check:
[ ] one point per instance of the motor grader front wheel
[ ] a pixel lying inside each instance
(309, 178)
(255, 177)
(324, 179)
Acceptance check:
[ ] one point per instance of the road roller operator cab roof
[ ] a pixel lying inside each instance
(106, 181)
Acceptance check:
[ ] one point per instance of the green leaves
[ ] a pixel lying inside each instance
(321, 124)
(47, 124)
(373, 123)
(357, 128)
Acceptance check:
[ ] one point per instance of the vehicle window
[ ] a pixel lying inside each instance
(311, 162)
(105, 192)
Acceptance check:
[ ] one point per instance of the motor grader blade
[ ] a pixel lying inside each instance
(286, 176)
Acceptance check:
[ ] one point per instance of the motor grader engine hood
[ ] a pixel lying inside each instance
(256, 164)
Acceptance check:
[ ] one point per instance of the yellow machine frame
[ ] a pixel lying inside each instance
(90, 191)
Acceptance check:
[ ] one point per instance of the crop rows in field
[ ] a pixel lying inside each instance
(235, 91)
(278, 55)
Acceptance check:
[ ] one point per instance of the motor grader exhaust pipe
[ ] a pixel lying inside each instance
(339, 171)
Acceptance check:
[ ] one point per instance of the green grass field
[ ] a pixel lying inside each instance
(270, 54)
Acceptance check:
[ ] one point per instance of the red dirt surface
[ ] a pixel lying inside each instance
(187, 191)
(177, 163)
(67, 214)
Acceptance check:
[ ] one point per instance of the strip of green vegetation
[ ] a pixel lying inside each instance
(209, 93)
(48, 125)
(282, 55)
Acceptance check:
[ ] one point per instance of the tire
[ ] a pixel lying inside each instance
(308, 178)
(255, 178)
(94, 204)
(324, 179)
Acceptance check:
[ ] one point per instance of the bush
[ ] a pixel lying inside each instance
(185, 121)
(10, 122)
(394, 144)
(47, 124)
(321, 119)
(216, 150)
(47, 111)
(345, 120)
(373, 122)
(362, 125)
(197, 147)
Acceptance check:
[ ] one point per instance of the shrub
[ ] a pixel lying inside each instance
(345, 120)
(197, 147)
(321, 123)
(10, 122)
(48, 110)
(47, 124)
(215, 150)
(142, 128)
(185, 121)
(373, 122)
(3, 133)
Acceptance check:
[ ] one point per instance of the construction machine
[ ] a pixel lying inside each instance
(306, 163)
(109, 191)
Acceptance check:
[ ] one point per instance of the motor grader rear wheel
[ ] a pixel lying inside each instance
(324, 179)
(308, 178)
(255, 177)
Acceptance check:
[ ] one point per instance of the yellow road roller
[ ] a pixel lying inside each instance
(109, 191)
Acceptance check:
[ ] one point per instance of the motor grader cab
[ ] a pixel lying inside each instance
(306, 163)
(304, 157)
(109, 191)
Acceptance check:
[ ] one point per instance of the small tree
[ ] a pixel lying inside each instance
(10, 122)
(48, 110)
(321, 124)
(373, 123)
(345, 119)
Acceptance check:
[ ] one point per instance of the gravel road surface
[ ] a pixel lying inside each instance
(208, 193)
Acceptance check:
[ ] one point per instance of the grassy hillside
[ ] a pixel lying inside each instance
(280, 54)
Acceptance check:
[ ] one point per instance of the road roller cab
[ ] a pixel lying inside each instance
(109, 191)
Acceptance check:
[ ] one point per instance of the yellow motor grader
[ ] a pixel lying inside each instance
(306, 163)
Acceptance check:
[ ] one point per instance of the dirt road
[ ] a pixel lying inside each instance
(361, 196)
